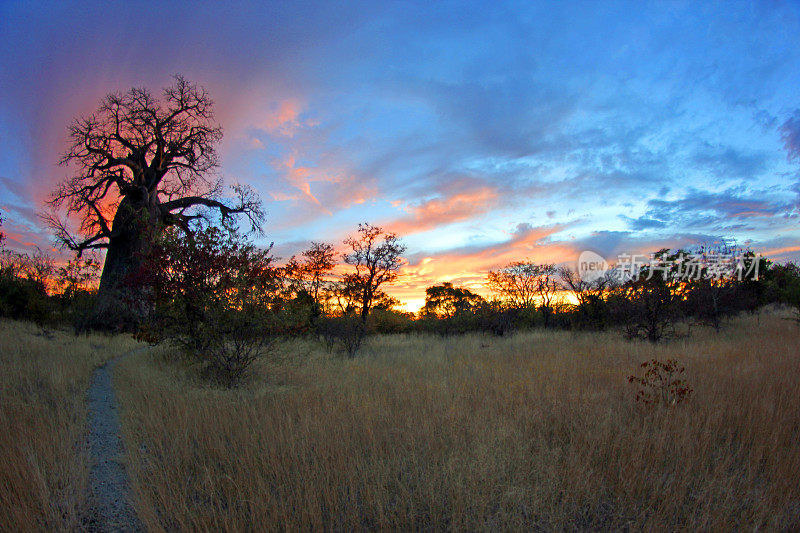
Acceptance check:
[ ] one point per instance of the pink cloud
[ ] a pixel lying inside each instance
(284, 118)
(441, 211)
(299, 177)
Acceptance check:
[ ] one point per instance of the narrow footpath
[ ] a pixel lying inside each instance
(111, 506)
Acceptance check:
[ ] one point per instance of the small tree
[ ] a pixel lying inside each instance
(318, 262)
(40, 267)
(547, 285)
(517, 283)
(76, 284)
(305, 286)
(720, 284)
(376, 258)
(590, 296)
(647, 304)
(23, 286)
(527, 285)
(447, 301)
(341, 298)
(78, 275)
(785, 286)
(212, 294)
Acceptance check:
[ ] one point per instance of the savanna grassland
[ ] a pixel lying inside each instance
(44, 460)
(539, 430)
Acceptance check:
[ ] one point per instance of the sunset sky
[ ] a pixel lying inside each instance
(482, 133)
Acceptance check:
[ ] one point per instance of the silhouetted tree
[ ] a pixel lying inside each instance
(527, 285)
(647, 305)
(785, 285)
(376, 258)
(318, 261)
(23, 285)
(590, 296)
(547, 285)
(516, 283)
(77, 275)
(447, 301)
(753, 291)
(496, 317)
(340, 297)
(707, 293)
(142, 164)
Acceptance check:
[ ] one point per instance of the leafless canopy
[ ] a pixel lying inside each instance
(376, 256)
(518, 282)
(318, 261)
(584, 291)
(148, 151)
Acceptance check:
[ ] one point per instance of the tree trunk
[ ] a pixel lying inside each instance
(119, 306)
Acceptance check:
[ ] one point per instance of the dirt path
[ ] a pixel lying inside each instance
(110, 499)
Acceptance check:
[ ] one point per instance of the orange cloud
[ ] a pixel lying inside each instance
(335, 188)
(441, 211)
(781, 251)
(469, 266)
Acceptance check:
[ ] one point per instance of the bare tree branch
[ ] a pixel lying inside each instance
(155, 155)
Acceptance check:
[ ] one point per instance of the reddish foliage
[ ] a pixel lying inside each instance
(214, 294)
(661, 383)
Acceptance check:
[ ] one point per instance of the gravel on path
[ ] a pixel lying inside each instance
(111, 507)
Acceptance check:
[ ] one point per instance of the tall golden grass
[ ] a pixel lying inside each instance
(539, 430)
(43, 455)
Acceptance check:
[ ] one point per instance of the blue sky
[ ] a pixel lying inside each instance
(483, 132)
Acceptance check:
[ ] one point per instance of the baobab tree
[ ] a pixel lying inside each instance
(141, 164)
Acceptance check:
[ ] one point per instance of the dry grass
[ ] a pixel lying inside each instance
(538, 431)
(43, 463)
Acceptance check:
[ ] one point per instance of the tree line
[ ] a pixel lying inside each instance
(223, 300)
(143, 187)
(647, 303)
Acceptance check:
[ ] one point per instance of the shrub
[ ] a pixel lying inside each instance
(661, 383)
(496, 318)
(345, 332)
(297, 315)
(23, 290)
(22, 298)
(645, 308)
(213, 294)
(229, 343)
(390, 321)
